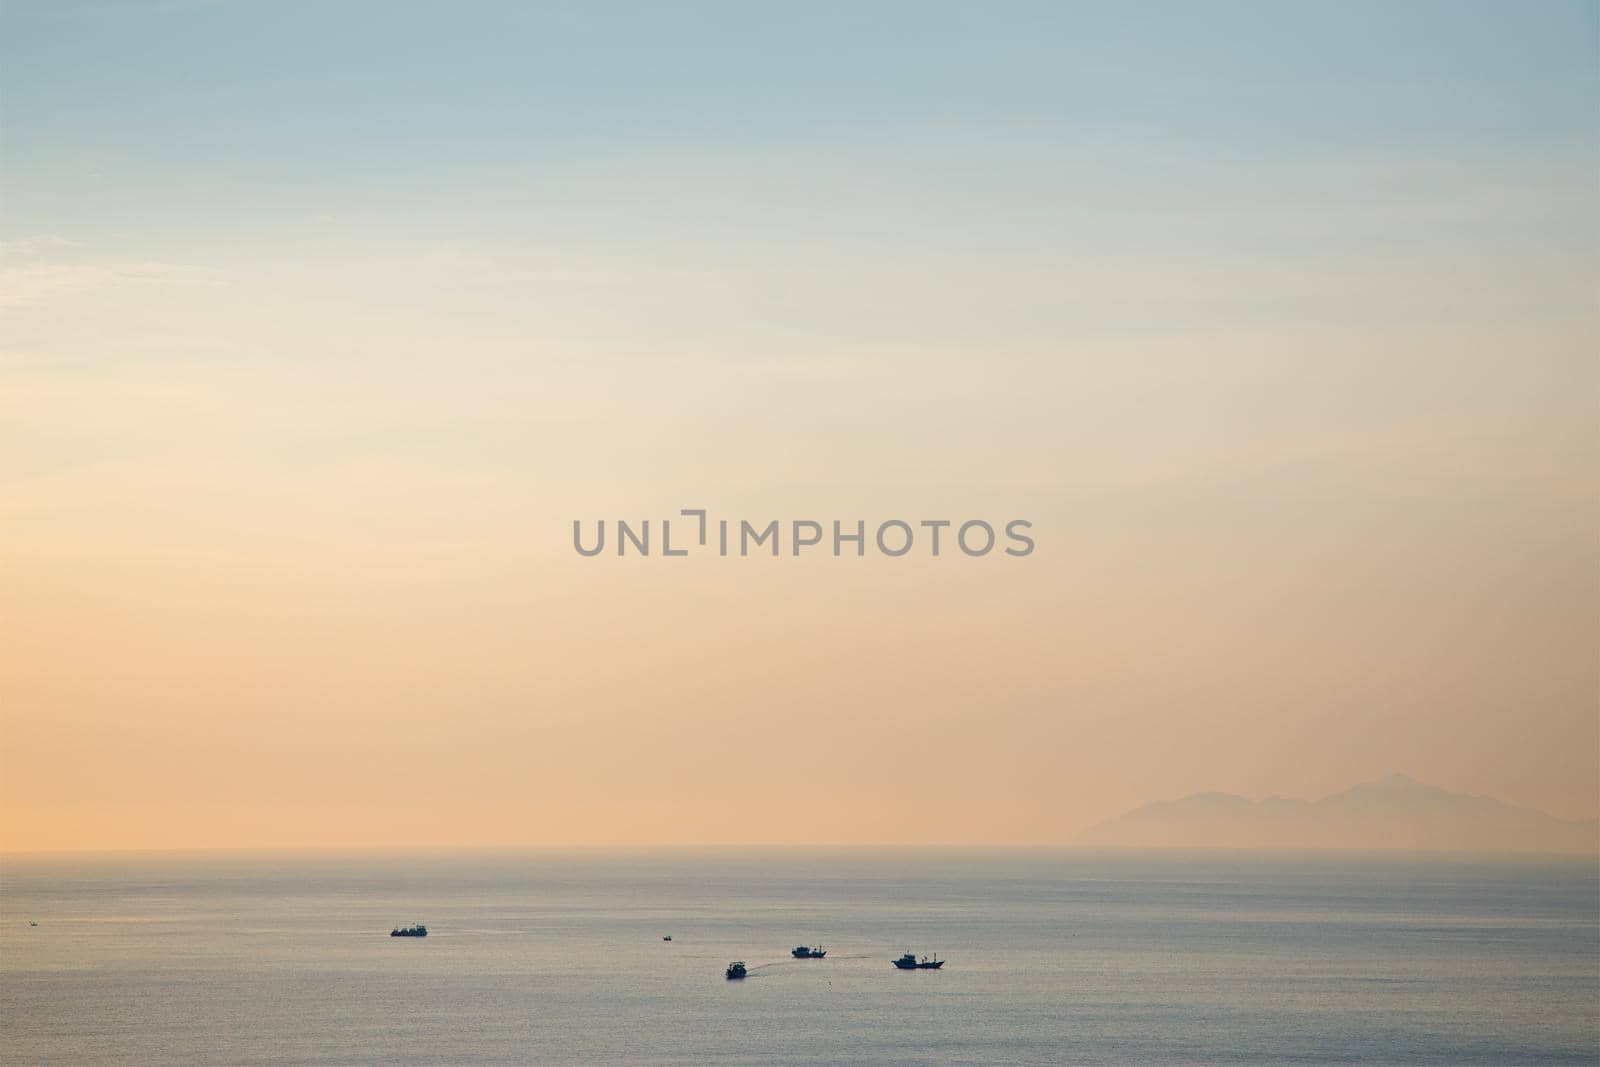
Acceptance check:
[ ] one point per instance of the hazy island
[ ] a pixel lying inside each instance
(1394, 812)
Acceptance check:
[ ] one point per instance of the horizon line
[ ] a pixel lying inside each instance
(734, 846)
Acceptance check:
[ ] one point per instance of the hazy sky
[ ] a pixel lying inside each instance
(322, 322)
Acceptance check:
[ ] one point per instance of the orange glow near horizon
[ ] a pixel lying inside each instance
(262, 630)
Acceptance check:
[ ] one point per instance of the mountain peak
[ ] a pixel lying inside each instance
(1392, 812)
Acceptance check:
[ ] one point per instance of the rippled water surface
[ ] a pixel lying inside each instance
(1060, 957)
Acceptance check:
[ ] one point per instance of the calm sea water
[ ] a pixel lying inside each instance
(1059, 957)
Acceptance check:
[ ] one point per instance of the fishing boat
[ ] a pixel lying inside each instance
(736, 970)
(909, 962)
(803, 953)
(417, 930)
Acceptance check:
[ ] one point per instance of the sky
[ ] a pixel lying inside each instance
(322, 323)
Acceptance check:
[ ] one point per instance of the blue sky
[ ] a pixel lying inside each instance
(123, 115)
(1034, 141)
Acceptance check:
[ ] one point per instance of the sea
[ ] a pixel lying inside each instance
(1052, 957)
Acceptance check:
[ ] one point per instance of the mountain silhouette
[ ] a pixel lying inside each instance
(1394, 812)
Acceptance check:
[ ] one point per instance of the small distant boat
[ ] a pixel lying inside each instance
(736, 970)
(667, 938)
(31, 923)
(409, 931)
(804, 953)
(909, 962)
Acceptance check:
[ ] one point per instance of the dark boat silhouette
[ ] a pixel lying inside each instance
(804, 953)
(909, 962)
(736, 970)
(409, 931)
(667, 938)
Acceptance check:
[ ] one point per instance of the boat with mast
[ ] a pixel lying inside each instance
(909, 962)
